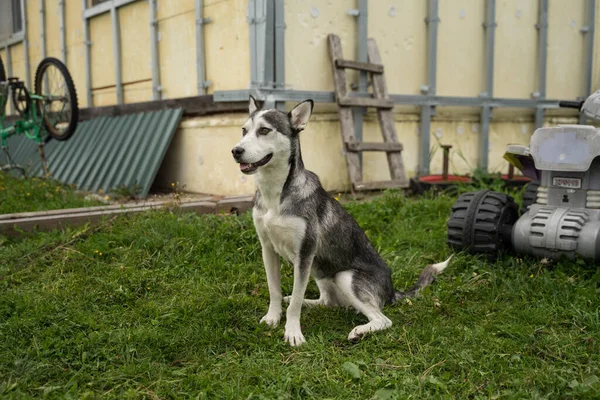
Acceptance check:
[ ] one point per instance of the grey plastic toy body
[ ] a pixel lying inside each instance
(566, 217)
(562, 217)
(591, 106)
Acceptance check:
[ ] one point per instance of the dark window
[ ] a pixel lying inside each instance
(96, 2)
(17, 20)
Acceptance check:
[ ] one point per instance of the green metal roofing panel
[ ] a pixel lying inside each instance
(104, 153)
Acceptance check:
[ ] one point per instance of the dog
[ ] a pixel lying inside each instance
(295, 218)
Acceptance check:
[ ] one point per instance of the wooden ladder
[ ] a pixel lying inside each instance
(384, 106)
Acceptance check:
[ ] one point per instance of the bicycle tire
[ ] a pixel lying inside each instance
(67, 132)
(2, 71)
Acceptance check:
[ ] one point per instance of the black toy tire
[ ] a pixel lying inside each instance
(482, 221)
(20, 99)
(529, 196)
(2, 71)
(68, 131)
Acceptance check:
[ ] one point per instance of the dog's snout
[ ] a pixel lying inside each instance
(237, 151)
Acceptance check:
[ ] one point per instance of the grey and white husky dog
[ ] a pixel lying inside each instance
(297, 219)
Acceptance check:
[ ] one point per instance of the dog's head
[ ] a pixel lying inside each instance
(270, 137)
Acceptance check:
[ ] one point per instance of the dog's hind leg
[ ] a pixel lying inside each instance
(327, 294)
(368, 307)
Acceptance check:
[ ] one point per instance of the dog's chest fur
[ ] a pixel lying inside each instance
(285, 232)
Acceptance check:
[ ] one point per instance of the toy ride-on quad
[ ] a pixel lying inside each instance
(561, 208)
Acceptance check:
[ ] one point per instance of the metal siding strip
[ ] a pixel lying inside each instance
(116, 32)
(200, 50)
(363, 9)
(62, 28)
(111, 141)
(122, 152)
(542, 27)
(77, 151)
(87, 56)
(86, 146)
(95, 157)
(252, 36)
(268, 78)
(486, 111)
(432, 25)
(280, 49)
(60, 153)
(427, 110)
(42, 4)
(137, 149)
(26, 44)
(154, 59)
(261, 41)
(172, 119)
(589, 52)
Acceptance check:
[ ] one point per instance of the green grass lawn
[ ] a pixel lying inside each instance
(163, 305)
(36, 194)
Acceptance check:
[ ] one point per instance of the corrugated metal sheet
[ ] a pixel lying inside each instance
(104, 153)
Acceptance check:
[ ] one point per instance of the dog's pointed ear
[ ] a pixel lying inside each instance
(252, 106)
(300, 115)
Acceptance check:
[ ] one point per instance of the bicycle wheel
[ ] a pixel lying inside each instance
(54, 83)
(2, 71)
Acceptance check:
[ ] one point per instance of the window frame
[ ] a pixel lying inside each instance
(14, 37)
(103, 7)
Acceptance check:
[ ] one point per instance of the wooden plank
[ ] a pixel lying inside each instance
(386, 118)
(83, 210)
(365, 102)
(367, 146)
(60, 221)
(379, 185)
(359, 66)
(192, 106)
(339, 76)
(346, 118)
(348, 136)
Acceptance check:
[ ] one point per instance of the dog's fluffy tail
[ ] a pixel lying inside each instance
(426, 278)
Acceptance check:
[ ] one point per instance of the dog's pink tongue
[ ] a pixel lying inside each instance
(244, 166)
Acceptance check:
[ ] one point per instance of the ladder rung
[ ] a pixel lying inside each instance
(360, 66)
(365, 102)
(367, 146)
(377, 185)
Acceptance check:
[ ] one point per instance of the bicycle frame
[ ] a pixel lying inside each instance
(31, 124)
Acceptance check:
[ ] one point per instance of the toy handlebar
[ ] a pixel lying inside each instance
(571, 104)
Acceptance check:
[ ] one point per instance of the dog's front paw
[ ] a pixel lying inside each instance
(294, 337)
(271, 319)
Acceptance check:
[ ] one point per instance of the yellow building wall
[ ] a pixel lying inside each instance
(566, 58)
(199, 158)
(307, 62)
(460, 48)
(397, 27)
(102, 61)
(515, 65)
(227, 50)
(75, 48)
(135, 52)
(200, 154)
